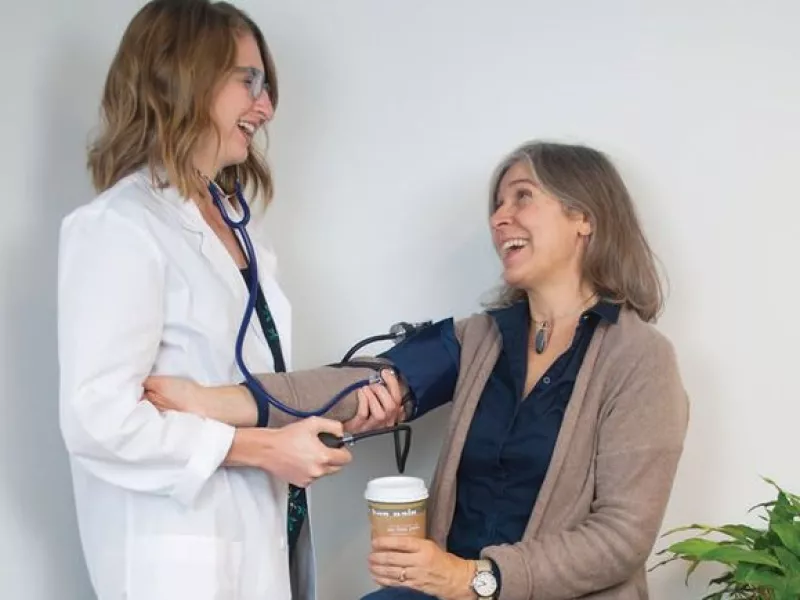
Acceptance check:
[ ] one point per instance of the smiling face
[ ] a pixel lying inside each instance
(241, 107)
(538, 240)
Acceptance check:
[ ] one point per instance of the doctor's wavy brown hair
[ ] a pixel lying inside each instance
(618, 261)
(158, 93)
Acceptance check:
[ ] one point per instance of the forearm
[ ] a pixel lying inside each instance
(231, 404)
(304, 391)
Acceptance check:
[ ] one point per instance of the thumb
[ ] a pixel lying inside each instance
(319, 425)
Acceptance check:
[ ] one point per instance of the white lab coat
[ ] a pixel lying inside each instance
(146, 287)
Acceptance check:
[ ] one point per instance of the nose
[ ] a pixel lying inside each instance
(263, 106)
(503, 215)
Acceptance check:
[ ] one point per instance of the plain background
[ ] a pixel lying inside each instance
(392, 116)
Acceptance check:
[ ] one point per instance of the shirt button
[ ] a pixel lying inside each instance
(546, 380)
(282, 543)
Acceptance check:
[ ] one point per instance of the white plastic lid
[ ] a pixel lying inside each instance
(396, 489)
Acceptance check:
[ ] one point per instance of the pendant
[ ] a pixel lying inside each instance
(541, 338)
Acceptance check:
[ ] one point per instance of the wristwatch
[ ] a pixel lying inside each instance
(484, 583)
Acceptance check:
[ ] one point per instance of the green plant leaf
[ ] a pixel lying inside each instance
(756, 576)
(788, 560)
(764, 564)
(789, 534)
(793, 498)
(738, 532)
(693, 548)
(690, 569)
(732, 555)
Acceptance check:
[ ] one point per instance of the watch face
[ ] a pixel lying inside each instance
(484, 584)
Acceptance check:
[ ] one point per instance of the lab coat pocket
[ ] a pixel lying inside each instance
(166, 567)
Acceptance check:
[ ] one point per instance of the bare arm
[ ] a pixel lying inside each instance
(370, 406)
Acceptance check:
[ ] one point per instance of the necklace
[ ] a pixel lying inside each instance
(543, 329)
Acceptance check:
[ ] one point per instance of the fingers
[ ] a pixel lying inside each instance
(331, 458)
(363, 405)
(396, 544)
(356, 424)
(336, 458)
(393, 385)
(388, 404)
(156, 400)
(152, 383)
(376, 410)
(392, 576)
(391, 559)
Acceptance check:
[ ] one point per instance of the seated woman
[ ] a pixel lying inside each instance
(569, 414)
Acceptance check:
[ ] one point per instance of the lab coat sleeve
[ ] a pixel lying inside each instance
(111, 290)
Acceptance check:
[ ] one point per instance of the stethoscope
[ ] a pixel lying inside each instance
(262, 397)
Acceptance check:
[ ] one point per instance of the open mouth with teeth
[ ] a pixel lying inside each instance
(248, 129)
(512, 247)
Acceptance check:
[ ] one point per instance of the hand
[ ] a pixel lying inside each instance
(379, 405)
(421, 565)
(293, 453)
(176, 393)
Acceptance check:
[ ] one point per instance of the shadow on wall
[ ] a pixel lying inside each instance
(38, 487)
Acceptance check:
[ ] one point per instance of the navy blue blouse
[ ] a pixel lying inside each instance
(511, 438)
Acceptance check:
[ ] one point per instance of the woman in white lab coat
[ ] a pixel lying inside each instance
(173, 505)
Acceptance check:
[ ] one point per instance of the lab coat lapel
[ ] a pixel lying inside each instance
(215, 253)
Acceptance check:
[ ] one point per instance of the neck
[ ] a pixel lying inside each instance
(205, 163)
(559, 300)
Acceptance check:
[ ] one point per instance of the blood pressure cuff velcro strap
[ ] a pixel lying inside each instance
(428, 363)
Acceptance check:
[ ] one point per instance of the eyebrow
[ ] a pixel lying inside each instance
(523, 180)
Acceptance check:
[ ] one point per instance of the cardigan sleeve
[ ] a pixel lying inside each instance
(640, 440)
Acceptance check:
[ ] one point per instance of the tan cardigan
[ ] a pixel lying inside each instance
(603, 499)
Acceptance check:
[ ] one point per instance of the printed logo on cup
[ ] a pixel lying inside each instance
(397, 506)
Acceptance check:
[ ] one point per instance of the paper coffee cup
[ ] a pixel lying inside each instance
(397, 506)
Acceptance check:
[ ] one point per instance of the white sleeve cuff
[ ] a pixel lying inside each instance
(214, 442)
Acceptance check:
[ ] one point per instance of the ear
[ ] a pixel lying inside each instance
(585, 228)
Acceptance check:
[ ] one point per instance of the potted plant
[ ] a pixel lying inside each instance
(760, 563)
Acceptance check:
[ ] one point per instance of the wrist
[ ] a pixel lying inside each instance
(485, 583)
(251, 447)
(461, 584)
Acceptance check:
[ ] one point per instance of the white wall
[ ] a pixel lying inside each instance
(392, 116)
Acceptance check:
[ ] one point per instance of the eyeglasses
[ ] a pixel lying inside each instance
(256, 81)
(402, 441)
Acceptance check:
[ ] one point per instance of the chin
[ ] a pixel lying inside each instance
(513, 277)
(518, 280)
